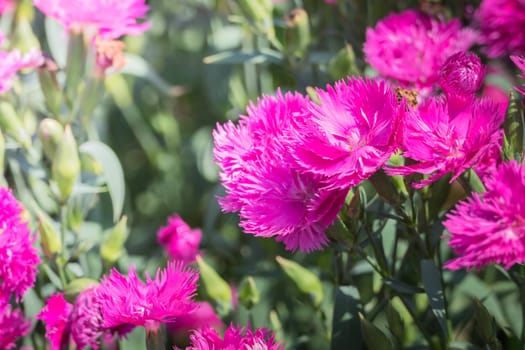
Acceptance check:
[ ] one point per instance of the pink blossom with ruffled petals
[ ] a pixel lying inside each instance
(13, 62)
(519, 61)
(179, 240)
(203, 316)
(351, 133)
(235, 338)
(127, 301)
(13, 325)
(410, 46)
(501, 25)
(19, 259)
(86, 320)
(274, 196)
(108, 18)
(442, 142)
(55, 315)
(488, 228)
(461, 74)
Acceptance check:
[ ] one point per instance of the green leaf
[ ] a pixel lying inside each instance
(402, 287)
(373, 336)
(112, 171)
(432, 283)
(345, 325)
(53, 277)
(56, 37)
(237, 57)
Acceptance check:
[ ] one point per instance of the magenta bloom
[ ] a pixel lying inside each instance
(18, 256)
(13, 325)
(501, 25)
(179, 240)
(442, 142)
(108, 18)
(6, 6)
(234, 338)
(519, 61)
(275, 197)
(351, 134)
(55, 315)
(411, 47)
(203, 316)
(488, 228)
(13, 62)
(127, 301)
(86, 320)
(461, 74)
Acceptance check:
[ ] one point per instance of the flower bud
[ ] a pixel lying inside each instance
(215, 286)
(297, 32)
(343, 64)
(76, 63)
(75, 287)
(248, 293)
(23, 37)
(112, 247)
(49, 237)
(50, 87)
(50, 133)
(306, 281)
(12, 125)
(66, 164)
(485, 326)
(461, 74)
(258, 10)
(373, 336)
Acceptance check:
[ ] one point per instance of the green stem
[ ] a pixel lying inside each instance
(61, 259)
(155, 337)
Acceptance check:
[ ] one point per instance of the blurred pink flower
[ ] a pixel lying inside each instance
(488, 228)
(13, 325)
(179, 240)
(442, 142)
(6, 6)
(13, 62)
(55, 315)
(501, 25)
(351, 133)
(411, 46)
(274, 196)
(19, 259)
(234, 338)
(127, 301)
(86, 320)
(203, 316)
(108, 18)
(519, 61)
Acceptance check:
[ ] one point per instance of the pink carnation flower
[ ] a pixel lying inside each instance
(13, 325)
(55, 315)
(351, 134)
(501, 25)
(203, 316)
(109, 18)
(19, 259)
(234, 338)
(127, 301)
(274, 196)
(13, 62)
(488, 228)
(86, 320)
(461, 74)
(179, 240)
(519, 61)
(6, 6)
(411, 46)
(442, 142)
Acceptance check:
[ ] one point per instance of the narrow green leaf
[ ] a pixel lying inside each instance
(432, 283)
(237, 57)
(402, 287)
(345, 325)
(112, 171)
(373, 336)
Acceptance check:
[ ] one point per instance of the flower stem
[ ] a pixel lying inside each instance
(155, 336)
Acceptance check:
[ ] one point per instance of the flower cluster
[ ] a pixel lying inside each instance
(287, 166)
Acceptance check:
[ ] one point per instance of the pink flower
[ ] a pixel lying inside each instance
(411, 46)
(86, 320)
(234, 338)
(108, 18)
(275, 197)
(442, 142)
(203, 316)
(488, 228)
(13, 62)
(351, 134)
(179, 240)
(13, 325)
(6, 6)
(461, 74)
(55, 315)
(18, 256)
(501, 25)
(127, 301)
(519, 61)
